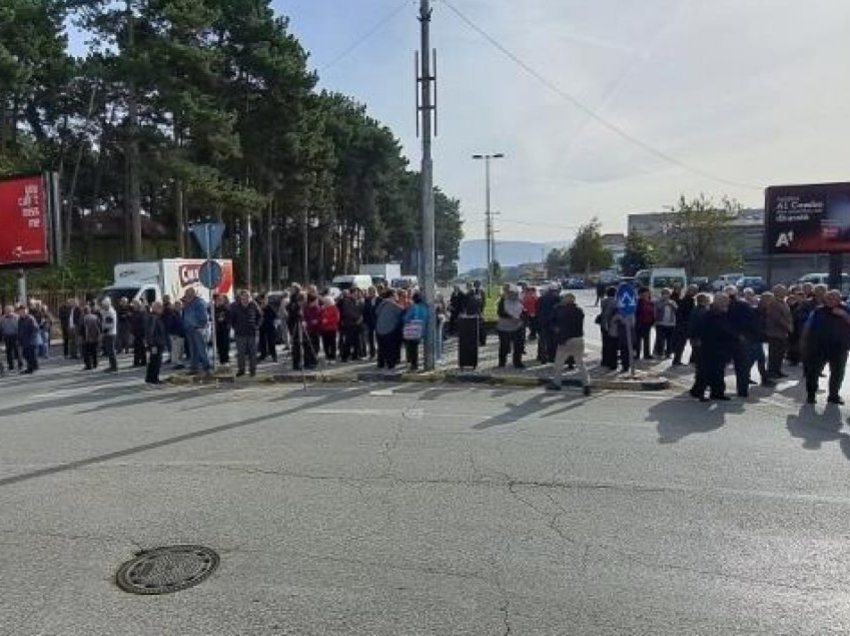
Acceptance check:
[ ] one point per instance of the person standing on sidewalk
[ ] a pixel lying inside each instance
(717, 340)
(268, 330)
(665, 324)
(244, 318)
(826, 340)
(388, 331)
(530, 299)
(138, 320)
(90, 331)
(415, 322)
(9, 333)
(28, 335)
(510, 327)
(330, 327)
(156, 337)
(110, 334)
(222, 328)
(743, 318)
(609, 331)
(644, 319)
(370, 317)
(684, 309)
(546, 343)
(569, 331)
(196, 319)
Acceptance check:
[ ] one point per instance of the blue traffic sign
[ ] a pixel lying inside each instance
(210, 274)
(208, 236)
(626, 299)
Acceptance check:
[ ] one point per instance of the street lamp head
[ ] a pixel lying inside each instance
(477, 156)
(499, 155)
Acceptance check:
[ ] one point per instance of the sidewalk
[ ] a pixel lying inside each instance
(534, 374)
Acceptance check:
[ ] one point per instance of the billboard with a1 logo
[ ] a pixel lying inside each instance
(806, 219)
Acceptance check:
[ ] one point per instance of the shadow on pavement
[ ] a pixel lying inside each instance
(676, 420)
(815, 429)
(329, 398)
(539, 402)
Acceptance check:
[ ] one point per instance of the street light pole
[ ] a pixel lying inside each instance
(488, 224)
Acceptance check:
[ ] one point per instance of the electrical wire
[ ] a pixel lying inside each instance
(577, 103)
(365, 37)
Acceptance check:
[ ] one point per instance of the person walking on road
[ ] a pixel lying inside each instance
(244, 317)
(569, 331)
(510, 327)
(825, 341)
(196, 319)
(156, 338)
(110, 334)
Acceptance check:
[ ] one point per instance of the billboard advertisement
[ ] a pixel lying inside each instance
(24, 237)
(806, 219)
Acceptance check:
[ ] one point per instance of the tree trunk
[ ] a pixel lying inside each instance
(180, 218)
(246, 248)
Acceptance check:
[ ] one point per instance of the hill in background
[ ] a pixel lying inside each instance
(473, 254)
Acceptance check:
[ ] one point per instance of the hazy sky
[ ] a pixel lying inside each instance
(752, 91)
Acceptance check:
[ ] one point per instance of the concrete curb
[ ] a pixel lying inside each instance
(450, 377)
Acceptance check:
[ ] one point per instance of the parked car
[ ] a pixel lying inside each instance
(573, 283)
(724, 280)
(702, 283)
(756, 283)
(823, 279)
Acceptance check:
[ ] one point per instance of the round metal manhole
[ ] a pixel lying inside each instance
(167, 569)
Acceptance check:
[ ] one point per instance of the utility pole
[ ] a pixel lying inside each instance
(133, 189)
(488, 215)
(427, 109)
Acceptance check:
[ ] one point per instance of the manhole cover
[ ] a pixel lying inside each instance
(167, 569)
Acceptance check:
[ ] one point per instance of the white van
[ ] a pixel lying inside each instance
(352, 281)
(658, 278)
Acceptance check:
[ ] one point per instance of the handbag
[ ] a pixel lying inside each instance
(413, 329)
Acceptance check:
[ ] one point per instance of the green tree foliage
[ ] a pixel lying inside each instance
(699, 236)
(558, 263)
(187, 110)
(639, 254)
(587, 254)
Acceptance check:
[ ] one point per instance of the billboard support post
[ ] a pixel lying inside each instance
(22, 287)
(836, 267)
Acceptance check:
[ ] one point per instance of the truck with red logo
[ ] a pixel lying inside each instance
(151, 281)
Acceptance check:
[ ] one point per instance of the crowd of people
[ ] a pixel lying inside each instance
(806, 325)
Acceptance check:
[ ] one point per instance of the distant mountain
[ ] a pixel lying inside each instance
(473, 254)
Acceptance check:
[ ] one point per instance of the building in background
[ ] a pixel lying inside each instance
(616, 244)
(746, 230)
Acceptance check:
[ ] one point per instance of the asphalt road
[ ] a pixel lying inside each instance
(421, 510)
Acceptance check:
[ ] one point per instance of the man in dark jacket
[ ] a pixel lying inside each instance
(474, 305)
(295, 325)
(156, 337)
(568, 326)
(744, 320)
(245, 317)
(28, 338)
(350, 320)
(825, 340)
(718, 339)
(370, 318)
(222, 328)
(546, 343)
(684, 308)
(138, 319)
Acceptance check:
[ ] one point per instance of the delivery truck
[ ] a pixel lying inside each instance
(381, 273)
(150, 281)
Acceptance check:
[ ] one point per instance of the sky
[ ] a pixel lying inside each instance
(722, 97)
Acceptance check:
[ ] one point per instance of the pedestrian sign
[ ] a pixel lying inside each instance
(626, 299)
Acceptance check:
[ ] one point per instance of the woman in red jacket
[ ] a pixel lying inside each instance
(329, 327)
(313, 324)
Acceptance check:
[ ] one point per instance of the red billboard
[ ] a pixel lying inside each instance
(24, 223)
(807, 219)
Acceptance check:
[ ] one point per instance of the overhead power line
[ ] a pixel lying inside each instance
(577, 103)
(366, 36)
